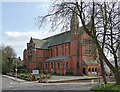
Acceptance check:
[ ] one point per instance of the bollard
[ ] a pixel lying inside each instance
(92, 81)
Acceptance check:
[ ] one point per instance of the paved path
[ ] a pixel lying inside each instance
(68, 78)
(54, 78)
(8, 84)
(13, 78)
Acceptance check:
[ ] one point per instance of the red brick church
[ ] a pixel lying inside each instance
(71, 52)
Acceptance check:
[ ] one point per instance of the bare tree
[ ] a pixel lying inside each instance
(103, 17)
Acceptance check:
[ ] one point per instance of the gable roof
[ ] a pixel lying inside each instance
(54, 40)
(90, 61)
(38, 43)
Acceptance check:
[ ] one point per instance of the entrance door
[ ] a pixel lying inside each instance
(84, 71)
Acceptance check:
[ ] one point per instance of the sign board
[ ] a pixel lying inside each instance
(16, 69)
(35, 71)
(94, 72)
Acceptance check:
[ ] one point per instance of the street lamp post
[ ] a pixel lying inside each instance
(16, 65)
(16, 68)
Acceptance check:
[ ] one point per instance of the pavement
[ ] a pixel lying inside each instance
(55, 79)
(14, 78)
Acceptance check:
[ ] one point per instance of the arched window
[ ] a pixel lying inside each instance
(46, 65)
(67, 65)
(54, 65)
(69, 49)
(92, 69)
(84, 46)
(43, 65)
(89, 69)
(51, 65)
(95, 69)
(58, 65)
(56, 51)
(88, 47)
(62, 49)
(51, 52)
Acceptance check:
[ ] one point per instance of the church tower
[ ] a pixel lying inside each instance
(75, 43)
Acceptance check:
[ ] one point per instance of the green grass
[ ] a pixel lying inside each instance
(110, 86)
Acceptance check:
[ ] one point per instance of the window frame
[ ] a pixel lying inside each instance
(62, 49)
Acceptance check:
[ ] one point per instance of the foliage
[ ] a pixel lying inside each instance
(107, 87)
(24, 75)
(48, 76)
(8, 55)
(21, 67)
(44, 72)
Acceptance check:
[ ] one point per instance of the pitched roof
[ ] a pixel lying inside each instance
(90, 61)
(54, 40)
(58, 39)
(39, 43)
(57, 58)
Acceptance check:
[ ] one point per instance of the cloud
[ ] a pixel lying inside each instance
(18, 40)
(44, 6)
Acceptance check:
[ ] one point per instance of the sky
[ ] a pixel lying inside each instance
(19, 24)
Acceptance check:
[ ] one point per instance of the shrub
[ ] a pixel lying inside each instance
(48, 76)
(25, 76)
(21, 75)
(44, 72)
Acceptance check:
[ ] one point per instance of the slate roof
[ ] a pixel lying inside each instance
(39, 43)
(57, 58)
(54, 40)
(90, 61)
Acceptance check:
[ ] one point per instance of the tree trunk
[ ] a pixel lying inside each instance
(117, 77)
(103, 73)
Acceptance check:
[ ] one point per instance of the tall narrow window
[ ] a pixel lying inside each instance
(88, 46)
(56, 51)
(89, 69)
(92, 48)
(92, 69)
(54, 65)
(67, 65)
(43, 65)
(30, 54)
(51, 52)
(84, 46)
(69, 49)
(51, 65)
(46, 66)
(62, 49)
(58, 65)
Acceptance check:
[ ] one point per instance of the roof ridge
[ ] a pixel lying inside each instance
(55, 35)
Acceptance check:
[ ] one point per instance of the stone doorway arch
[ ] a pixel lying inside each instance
(84, 71)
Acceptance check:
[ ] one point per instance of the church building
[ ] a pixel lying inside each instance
(71, 52)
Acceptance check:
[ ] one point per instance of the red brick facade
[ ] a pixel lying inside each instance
(69, 52)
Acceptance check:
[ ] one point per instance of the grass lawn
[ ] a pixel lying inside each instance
(110, 86)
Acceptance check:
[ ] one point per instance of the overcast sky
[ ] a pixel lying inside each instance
(19, 24)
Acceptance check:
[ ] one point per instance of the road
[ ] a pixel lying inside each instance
(8, 84)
